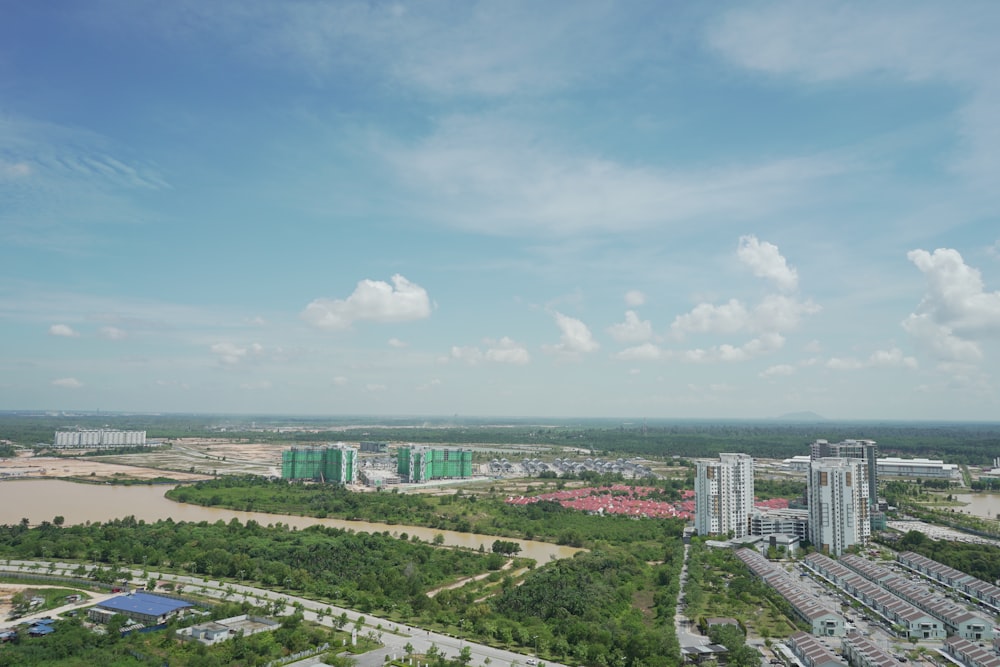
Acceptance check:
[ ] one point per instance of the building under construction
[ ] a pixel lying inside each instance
(332, 464)
(421, 464)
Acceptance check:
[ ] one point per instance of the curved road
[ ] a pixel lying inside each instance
(393, 635)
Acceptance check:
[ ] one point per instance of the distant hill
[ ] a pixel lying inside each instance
(805, 416)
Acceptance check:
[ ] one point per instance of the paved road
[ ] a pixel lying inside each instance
(686, 634)
(393, 635)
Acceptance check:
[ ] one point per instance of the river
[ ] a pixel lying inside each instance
(42, 500)
(985, 505)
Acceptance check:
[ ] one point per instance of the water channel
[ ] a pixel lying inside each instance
(40, 500)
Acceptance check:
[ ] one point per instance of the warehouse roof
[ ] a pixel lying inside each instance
(143, 603)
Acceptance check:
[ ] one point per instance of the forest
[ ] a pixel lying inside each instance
(970, 443)
(463, 512)
(610, 606)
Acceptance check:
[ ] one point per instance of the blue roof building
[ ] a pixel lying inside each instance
(142, 607)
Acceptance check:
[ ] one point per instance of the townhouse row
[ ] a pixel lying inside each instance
(822, 620)
(956, 619)
(898, 612)
(977, 589)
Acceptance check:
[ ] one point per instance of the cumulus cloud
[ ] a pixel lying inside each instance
(67, 383)
(644, 352)
(765, 261)
(634, 298)
(727, 318)
(230, 354)
(113, 333)
(775, 312)
(767, 321)
(778, 370)
(956, 312)
(756, 347)
(891, 358)
(398, 344)
(576, 338)
(372, 300)
(63, 330)
(632, 330)
(339, 381)
(503, 351)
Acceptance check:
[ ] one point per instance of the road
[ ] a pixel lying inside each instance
(394, 636)
(686, 634)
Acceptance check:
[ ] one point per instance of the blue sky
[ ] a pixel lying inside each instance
(662, 209)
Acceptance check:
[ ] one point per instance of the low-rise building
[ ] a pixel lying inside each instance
(213, 632)
(144, 608)
(863, 652)
(811, 652)
(969, 654)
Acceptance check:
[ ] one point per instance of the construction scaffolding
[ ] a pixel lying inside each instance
(420, 464)
(334, 464)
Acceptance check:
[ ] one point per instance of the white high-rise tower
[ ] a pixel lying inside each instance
(723, 494)
(838, 504)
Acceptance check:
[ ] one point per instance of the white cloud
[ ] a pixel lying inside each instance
(777, 312)
(374, 301)
(915, 42)
(63, 330)
(576, 338)
(230, 354)
(491, 176)
(891, 358)
(506, 351)
(632, 330)
(777, 371)
(727, 318)
(503, 351)
(765, 261)
(644, 352)
(634, 298)
(15, 169)
(763, 344)
(67, 383)
(374, 388)
(339, 381)
(956, 313)
(467, 353)
(398, 344)
(113, 333)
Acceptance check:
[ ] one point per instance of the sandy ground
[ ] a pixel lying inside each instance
(7, 591)
(51, 466)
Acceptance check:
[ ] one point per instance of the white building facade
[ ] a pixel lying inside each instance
(723, 493)
(838, 504)
(100, 438)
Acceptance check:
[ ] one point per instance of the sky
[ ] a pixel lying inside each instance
(568, 208)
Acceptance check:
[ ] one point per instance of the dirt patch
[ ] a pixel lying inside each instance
(98, 468)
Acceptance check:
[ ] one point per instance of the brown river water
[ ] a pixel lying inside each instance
(43, 499)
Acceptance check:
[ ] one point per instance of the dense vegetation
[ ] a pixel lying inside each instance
(619, 598)
(73, 645)
(463, 512)
(719, 584)
(6, 450)
(360, 570)
(959, 442)
(583, 609)
(979, 560)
